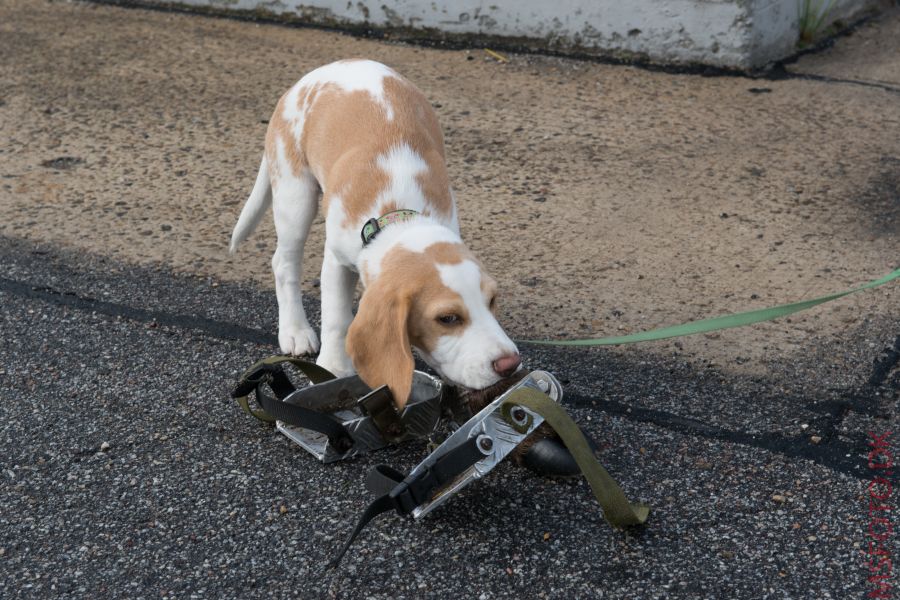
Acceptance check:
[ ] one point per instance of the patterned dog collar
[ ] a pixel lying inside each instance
(373, 226)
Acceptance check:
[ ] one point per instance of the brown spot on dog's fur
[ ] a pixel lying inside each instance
(281, 131)
(489, 289)
(343, 135)
(448, 253)
(388, 207)
(415, 276)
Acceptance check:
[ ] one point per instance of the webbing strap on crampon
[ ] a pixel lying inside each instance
(404, 493)
(617, 510)
(269, 371)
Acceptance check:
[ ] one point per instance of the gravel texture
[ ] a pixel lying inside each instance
(128, 473)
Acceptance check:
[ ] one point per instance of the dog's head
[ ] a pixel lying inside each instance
(439, 301)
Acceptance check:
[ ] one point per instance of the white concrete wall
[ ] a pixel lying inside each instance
(775, 25)
(729, 33)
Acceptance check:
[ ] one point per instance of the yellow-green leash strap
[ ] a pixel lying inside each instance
(255, 374)
(717, 323)
(617, 510)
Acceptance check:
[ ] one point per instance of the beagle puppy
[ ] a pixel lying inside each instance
(367, 141)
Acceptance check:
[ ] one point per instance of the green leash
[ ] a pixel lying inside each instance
(717, 323)
(617, 510)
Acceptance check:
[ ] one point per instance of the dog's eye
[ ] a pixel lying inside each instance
(449, 320)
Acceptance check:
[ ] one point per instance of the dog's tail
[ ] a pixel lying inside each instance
(254, 209)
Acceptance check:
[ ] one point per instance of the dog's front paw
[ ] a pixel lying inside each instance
(298, 340)
(337, 363)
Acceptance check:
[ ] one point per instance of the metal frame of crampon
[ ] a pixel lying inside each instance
(335, 419)
(496, 433)
(470, 453)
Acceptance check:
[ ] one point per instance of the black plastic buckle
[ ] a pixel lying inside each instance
(366, 238)
(248, 384)
(411, 493)
(401, 499)
(379, 405)
(271, 375)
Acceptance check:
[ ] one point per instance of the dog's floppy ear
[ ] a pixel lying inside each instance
(378, 341)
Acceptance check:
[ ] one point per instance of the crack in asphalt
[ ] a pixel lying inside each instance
(779, 73)
(834, 454)
(219, 329)
(831, 452)
(865, 400)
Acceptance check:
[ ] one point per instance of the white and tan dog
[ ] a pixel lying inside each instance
(368, 140)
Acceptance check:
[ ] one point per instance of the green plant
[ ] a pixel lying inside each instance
(813, 14)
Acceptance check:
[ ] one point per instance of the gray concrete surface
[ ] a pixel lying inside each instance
(623, 199)
(129, 141)
(868, 55)
(726, 33)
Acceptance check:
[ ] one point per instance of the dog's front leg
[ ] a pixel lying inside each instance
(338, 288)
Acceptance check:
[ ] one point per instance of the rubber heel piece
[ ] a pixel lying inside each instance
(549, 457)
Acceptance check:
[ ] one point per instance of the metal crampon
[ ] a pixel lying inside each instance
(368, 416)
(337, 418)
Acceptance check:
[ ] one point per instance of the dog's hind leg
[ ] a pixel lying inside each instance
(295, 203)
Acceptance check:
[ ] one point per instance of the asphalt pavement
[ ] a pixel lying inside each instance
(129, 473)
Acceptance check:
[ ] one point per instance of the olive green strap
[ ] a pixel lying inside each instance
(256, 374)
(617, 510)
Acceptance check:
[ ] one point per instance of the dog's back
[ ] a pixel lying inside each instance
(357, 113)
